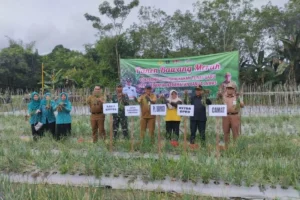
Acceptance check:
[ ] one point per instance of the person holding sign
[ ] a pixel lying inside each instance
(147, 120)
(232, 120)
(122, 100)
(95, 101)
(198, 121)
(172, 118)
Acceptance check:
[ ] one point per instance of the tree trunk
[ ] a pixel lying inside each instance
(118, 61)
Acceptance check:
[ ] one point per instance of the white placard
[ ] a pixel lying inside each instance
(158, 109)
(185, 110)
(132, 110)
(217, 110)
(110, 108)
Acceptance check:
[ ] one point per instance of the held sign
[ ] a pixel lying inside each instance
(132, 110)
(110, 108)
(217, 110)
(185, 110)
(158, 109)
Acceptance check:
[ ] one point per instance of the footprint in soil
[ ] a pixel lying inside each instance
(262, 188)
(216, 182)
(46, 174)
(35, 175)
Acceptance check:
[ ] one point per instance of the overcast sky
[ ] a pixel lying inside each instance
(53, 22)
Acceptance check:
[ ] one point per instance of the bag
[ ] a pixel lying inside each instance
(38, 126)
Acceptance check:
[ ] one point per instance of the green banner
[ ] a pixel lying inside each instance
(181, 73)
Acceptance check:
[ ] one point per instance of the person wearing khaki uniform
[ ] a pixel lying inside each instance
(147, 120)
(232, 120)
(97, 118)
(222, 87)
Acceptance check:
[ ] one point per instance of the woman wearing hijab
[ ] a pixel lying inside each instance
(34, 113)
(48, 117)
(172, 119)
(63, 118)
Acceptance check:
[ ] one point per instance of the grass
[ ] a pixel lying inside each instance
(265, 154)
(14, 191)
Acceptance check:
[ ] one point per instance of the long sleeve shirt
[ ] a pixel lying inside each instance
(199, 107)
(47, 114)
(63, 116)
(122, 100)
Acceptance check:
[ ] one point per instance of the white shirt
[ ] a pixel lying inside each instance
(130, 91)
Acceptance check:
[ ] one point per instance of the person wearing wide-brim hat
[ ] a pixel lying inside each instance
(198, 121)
(227, 81)
(122, 100)
(232, 120)
(147, 120)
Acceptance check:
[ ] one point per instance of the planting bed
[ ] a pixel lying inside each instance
(263, 163)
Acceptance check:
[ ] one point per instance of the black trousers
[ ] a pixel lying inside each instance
(50, 127)
(172, 127)
(36, 134)
(62, 130)
(200, 126)
(117, 120)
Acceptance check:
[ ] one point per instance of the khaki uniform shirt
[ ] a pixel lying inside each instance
(96, 107)
(233, 103)
(145, 105)
(222, 87)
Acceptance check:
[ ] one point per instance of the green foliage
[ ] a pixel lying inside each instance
(213, 27)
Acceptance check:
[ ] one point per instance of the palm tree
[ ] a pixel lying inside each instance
(260, 71)
(56, 79)
(291, 52)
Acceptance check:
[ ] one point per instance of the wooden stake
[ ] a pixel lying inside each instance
(111, 133)
(184, 134)
(132, 131)
(217, 138)
(159, 142)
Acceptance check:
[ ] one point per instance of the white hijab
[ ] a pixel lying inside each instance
(170, 99)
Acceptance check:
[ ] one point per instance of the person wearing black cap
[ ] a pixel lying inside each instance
(147, 120)
(198, 121)
(130, 90)
(120, 118)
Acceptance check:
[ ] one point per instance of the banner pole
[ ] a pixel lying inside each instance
(184, 134)
(217, 138)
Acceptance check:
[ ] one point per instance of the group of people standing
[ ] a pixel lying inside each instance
(43, 112)
(42, 118)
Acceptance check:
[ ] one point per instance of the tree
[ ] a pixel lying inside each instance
(19, 65)
(291, 51)
(117, 15)
(260, 71)
(152, 35)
